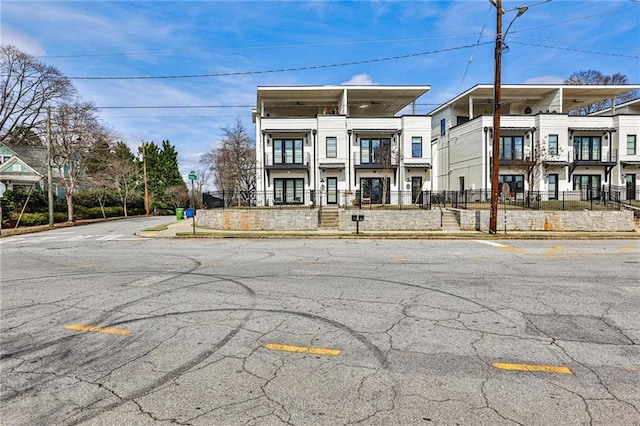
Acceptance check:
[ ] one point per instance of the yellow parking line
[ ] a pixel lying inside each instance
(532, 367)
(512, 249)
(303, 349)
(553, 250)
(76, 327)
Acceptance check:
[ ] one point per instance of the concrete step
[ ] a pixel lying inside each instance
(328, 218)
(449, 221)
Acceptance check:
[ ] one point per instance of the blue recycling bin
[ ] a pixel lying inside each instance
(188, 213)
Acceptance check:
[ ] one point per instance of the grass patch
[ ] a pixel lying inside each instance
(157, 228)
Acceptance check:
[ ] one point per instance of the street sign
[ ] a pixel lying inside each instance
(193, 176)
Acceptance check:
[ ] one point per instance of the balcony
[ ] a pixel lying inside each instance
(593, 159)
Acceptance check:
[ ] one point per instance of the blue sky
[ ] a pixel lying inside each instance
(447, 45)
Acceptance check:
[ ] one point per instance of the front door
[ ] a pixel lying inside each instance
(552, 181)
(416, 190)
(332, 190)
(631, 186)
(588, 185)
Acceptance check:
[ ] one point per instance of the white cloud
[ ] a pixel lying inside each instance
(363, 79)
(545, 79)
(23, 42)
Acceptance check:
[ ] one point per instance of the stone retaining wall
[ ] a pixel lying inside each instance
(527, 220)
(416, 220)
(390, 220)
(259, 219)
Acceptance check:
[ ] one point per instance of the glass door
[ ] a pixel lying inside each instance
(552, 181)
(332, 190)
(631, 186)
(416, 190)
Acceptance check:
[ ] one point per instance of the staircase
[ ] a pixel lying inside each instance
(328, 218)
(449, 221)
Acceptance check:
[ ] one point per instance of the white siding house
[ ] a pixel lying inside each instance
(341, 145)
(543, 145)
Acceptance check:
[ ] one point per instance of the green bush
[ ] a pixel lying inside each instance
(32, 219)
(14, 201)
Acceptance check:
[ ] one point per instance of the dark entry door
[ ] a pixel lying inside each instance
(332, 190)
(631, 186)
(416, 190)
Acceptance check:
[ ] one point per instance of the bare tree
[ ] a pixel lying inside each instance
(593, 77)
(74, 129)
(233, 165)
(386, 157)
(119, 171)
(27, 86)
(177, 196)
(204, 176)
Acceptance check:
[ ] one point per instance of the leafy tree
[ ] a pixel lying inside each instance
(233, 164)
(593, 77)
(162, 168)
(27, 86)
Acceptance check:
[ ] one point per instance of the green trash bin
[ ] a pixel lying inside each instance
(179, 214)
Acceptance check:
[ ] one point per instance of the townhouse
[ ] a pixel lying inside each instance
(544, 145)
(341, 145)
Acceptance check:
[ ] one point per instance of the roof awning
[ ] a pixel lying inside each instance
(417, 165)
(630, 163)
(592, 129)
(559, 163)
(278, 131)
(332, 166)
(376, 131)
(518, 129)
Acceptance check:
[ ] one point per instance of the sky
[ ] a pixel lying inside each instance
(183, 70)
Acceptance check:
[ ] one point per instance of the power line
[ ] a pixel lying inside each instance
(312, 67)
(571, 49)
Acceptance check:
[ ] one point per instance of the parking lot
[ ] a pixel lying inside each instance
(128, 330)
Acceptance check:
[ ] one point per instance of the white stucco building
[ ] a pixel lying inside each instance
(341, 145)
(543, 147)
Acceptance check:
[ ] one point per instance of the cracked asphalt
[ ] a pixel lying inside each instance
(100, 330)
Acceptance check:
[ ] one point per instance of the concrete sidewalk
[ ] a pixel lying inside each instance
(184, 229)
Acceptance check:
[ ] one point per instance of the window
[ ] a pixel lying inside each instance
(288, 191)
(588, 185)
(631, 144)
(553, 144)
(587, 148)
(332, 147)
(287, 151)
(371, 150)
(416, 147)
(372, 191)
(515, 182)
(443, 127)
(511, 147)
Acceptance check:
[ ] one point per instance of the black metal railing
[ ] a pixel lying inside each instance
(602, 198)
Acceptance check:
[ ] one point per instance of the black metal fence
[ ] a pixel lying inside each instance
(603, 198)
(591, 199)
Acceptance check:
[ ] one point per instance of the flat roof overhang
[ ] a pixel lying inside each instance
(572, 96)
(390, 99)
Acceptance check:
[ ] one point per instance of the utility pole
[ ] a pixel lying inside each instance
(146, 183)
(495, 165)
(49, 170)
